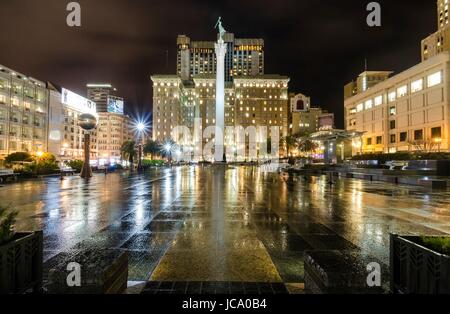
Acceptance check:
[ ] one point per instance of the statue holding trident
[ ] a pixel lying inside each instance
(219, 26)
(221, 51)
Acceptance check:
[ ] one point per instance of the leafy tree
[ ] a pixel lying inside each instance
(307, 146)
(45, 158)
(152, 148)
(76, 165)
(18, 157)
(129, 152)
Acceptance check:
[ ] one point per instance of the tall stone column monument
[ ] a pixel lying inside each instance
(221, 50)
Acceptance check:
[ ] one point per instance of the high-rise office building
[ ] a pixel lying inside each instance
(23, 113)
(245, 57)
(439, 41)
(100, 94)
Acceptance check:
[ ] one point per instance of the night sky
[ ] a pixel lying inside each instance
(319, 44)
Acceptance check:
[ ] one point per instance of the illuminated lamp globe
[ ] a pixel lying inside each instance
(87, 121)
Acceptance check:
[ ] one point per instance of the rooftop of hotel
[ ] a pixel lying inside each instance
(402, 76)
(21, 76)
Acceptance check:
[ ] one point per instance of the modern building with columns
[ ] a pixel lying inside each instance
(407, 112)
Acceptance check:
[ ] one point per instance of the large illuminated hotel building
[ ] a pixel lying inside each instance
(23, 113)
(251, 97)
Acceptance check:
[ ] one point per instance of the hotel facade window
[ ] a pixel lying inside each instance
(436, 133)
(418, 135)
(403, 136)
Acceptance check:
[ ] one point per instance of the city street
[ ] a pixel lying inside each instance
(218, 223)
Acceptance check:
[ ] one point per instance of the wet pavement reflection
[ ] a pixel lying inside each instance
(218, 223)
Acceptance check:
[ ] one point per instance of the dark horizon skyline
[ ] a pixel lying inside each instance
(320, 45)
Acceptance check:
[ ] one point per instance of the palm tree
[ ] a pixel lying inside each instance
(307, 145)
(128, 150)
(152, 148)
(290, 142)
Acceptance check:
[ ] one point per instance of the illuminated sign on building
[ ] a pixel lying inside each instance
(115, 104)
(326, 122)
(78, 102)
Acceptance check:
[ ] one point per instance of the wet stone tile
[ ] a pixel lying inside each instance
(124, 226)
(213, 287)
(310, 228)
(163, 226)
(144, 216)
(282, 241)
(148, 241)
(171, 215)
(329, 242)
(142, 263)
(104, 240)
(290, 265)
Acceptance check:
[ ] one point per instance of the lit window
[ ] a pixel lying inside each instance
(369, 104)
(392, 96)
(435, 79)
(360, 107)
(378, 100)
(417, 86)
(402, 91)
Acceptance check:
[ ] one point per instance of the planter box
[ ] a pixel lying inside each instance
(416, 269)
(102, 272)
(21, 263)
(434, 184)
(334, 272)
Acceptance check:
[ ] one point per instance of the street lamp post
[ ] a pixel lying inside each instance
(342, 147)
(87, 122)
(140, 128)
(168, 149)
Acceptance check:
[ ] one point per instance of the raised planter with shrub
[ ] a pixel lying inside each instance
(21, 257)
(420, 265)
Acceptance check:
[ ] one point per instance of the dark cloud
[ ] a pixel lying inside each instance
(320, 44)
